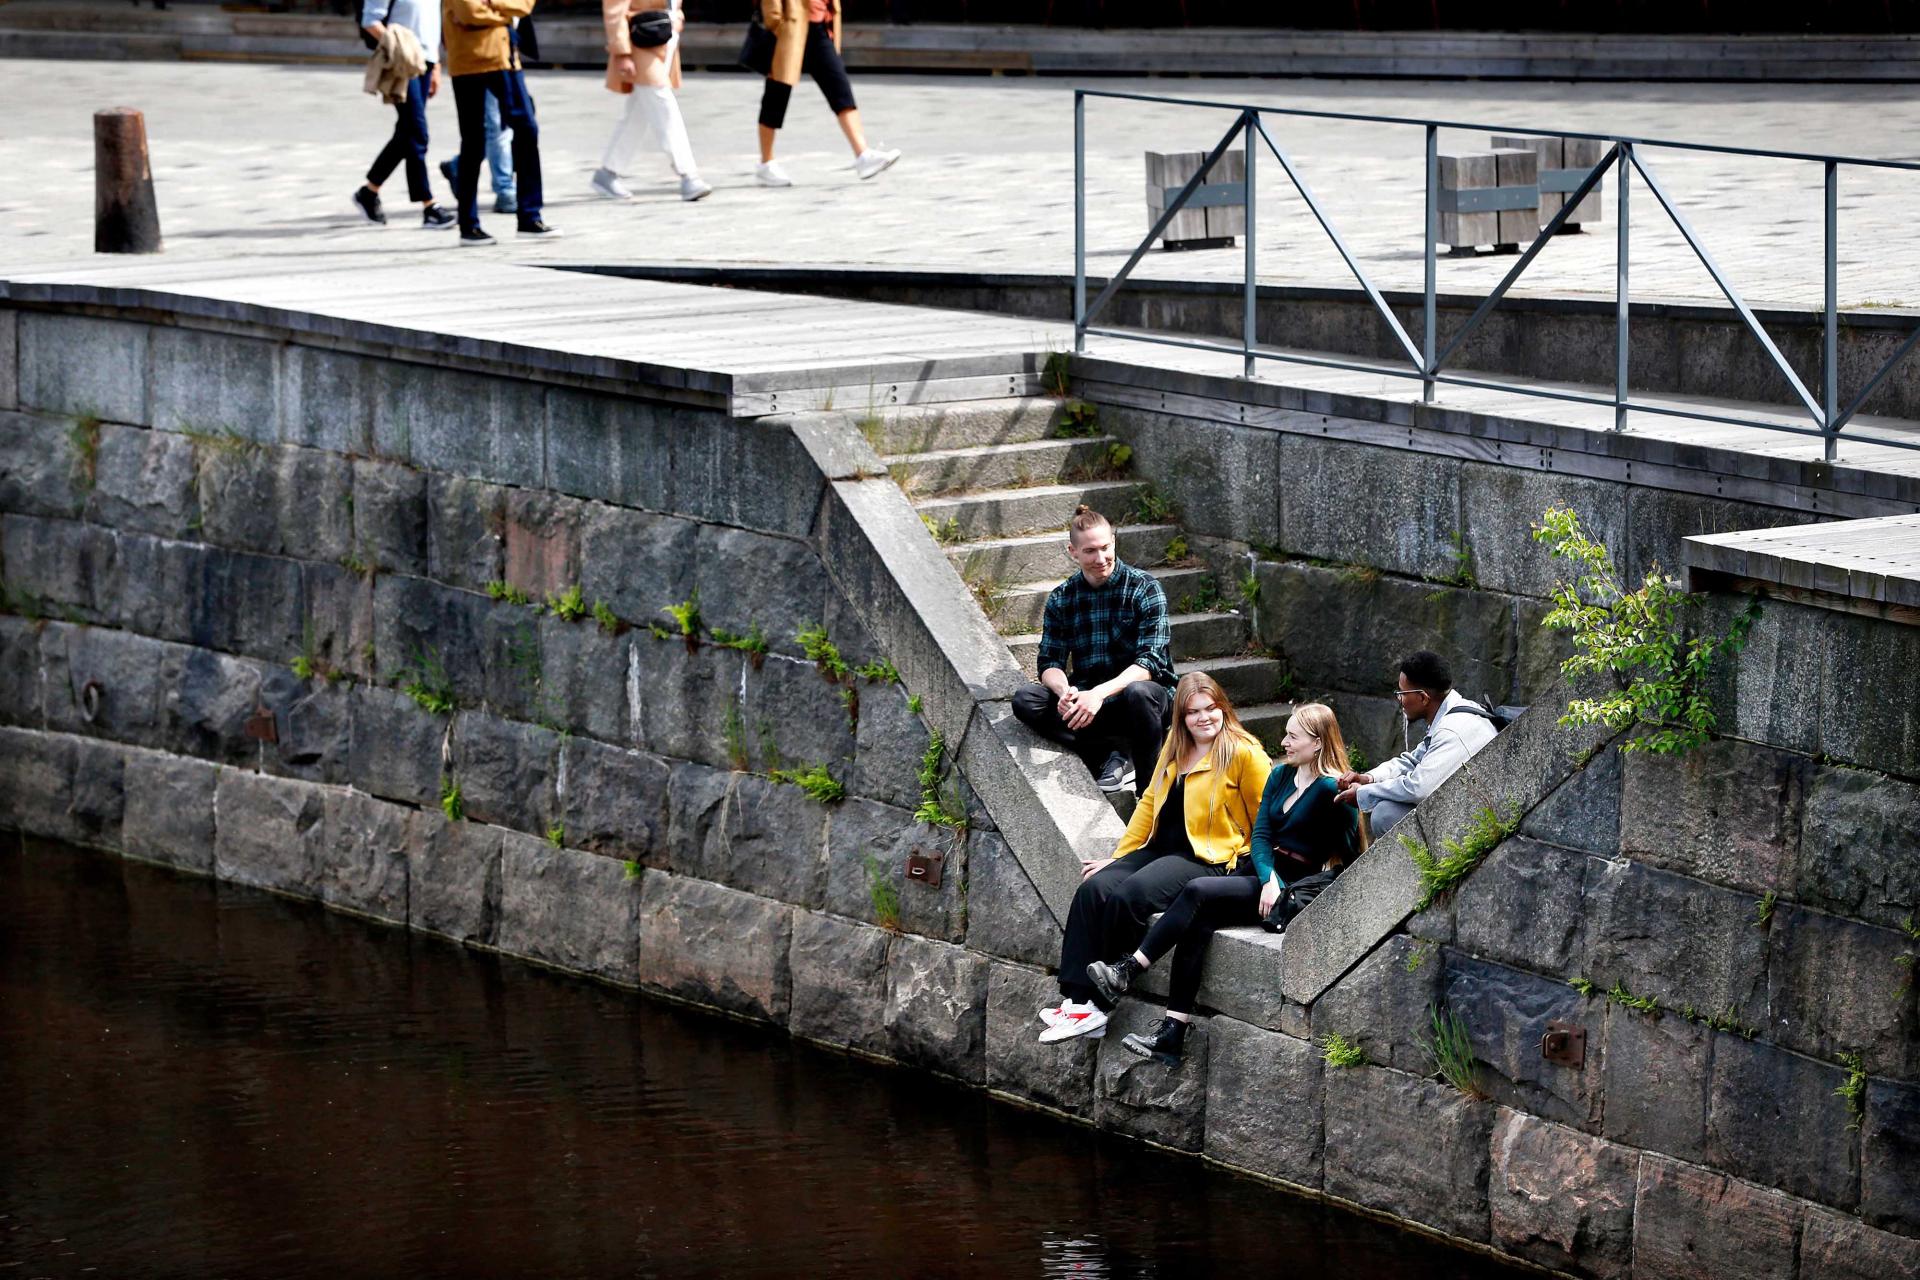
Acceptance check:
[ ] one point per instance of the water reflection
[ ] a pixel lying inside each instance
(205, 1080)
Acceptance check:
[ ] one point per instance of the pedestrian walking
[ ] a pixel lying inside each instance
(643, 63)
(499, 162)
(804, 35)
(483, 57)
(405, 71)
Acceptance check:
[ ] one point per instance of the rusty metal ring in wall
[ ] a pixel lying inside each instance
(90, 700)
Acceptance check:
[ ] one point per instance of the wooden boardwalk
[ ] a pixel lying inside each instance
(1875, 563)
(754, 353)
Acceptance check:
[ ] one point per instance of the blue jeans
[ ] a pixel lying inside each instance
(408, 144)
(499, 154)
(508, 89)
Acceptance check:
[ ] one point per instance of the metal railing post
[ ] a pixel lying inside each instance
(1432, 237)
(1623, 173)
(1079, 221)
(1829, 360)
(1248, 331)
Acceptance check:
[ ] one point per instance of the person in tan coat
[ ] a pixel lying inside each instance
(807, 38)
(646, 77)
(483, 57)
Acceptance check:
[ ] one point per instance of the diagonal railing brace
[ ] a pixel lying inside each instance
(1193, 184)
(1846, 415)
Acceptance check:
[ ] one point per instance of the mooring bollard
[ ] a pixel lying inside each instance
(125, 217)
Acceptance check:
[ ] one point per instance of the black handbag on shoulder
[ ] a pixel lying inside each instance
(756, 51)
(650, 28)
(1294, 898)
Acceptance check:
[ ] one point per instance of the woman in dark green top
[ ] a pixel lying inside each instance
(1301, 828)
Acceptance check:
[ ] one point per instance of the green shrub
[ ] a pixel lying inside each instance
(1637, 637)
(569, 606)
(1338, 1051)
(1450, 1049)
(814, 780)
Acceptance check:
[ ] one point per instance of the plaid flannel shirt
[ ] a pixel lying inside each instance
(1093, 633)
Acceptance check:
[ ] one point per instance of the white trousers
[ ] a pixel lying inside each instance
(650, 121)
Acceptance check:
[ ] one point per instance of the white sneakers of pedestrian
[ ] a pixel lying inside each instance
(770, 174)
(607, 184)
(874, 161)
(691, 188)
(1073, 1018)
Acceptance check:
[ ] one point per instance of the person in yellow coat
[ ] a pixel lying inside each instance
(1194, 819)
(647, 76)
(807, 38)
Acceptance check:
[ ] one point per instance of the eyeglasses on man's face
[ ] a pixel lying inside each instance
(1408, 693)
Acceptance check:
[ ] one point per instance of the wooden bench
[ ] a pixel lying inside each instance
(1489, 198)
(1564, 164)
(1217, 210)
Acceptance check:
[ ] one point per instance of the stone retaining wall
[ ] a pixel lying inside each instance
(156, 605)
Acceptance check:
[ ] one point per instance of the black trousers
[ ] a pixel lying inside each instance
(408, 144)
(509, 89)
(1112, 907)
(822, 62)
(1133, 720)
(1204, 906)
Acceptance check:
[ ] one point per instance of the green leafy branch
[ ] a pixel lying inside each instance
(1638, 638)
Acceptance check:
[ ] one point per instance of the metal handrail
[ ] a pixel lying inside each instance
(1424, 363)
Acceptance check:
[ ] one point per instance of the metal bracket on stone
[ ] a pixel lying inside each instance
(261, 727)
(924, 866)
(1565, 1044)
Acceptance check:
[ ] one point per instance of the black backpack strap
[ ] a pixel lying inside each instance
(1471, 708)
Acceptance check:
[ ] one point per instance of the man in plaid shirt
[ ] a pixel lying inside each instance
(1106, 682)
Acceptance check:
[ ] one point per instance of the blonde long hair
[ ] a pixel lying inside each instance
(1232, 738)
(1317, 719)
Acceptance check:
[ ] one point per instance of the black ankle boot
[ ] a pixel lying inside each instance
(1112, 980)
(1166, 1045)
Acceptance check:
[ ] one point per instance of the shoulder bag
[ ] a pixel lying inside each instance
(650, 28)
(1294, 898)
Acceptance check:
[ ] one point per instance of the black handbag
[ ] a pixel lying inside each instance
(650, 28)
(756, 51)
(1294, 898)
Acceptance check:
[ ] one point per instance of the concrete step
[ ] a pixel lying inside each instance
(1037, 556)
(925, 428)
(1024, 605)
(1267, 721)
(1194, 636)
(1249, 679)
(1000, 466)
(1000, 513)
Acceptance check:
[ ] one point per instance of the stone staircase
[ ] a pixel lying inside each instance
(997, 481)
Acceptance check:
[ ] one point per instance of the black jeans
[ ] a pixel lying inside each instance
(1203, 907)
(509, 89)
(1112, 907)
(822, 62)
(408, 144)
(1133, 720)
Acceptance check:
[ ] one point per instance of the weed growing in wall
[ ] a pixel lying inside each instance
(1204, 598)
(450, 802)
(1249, 587)
(632, 869)
(1459, 856)
(1638, 638)
(426, 682)
(1854, 1088)
(1338, 1051)
(814, 780)
(821, 651)
(505, 592)
(769, 746)
(686, 616)
(945, 532)
(1450, 1049)
(1178, 554)
(358, 565)
(1053, 374)
(879, 670)
(569, 606)
(733, 730)
(84, 435)
(1763, 907)
(753, 643)
(882, 893)
(1149, 506)
(608, 620)
(1649, 1005)
(939, 806)
(1077, 421)
(914, 705)
(557, 835)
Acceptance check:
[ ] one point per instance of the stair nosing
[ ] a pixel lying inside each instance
(984, 450)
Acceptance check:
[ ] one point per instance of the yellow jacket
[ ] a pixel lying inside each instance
(476, 36)
(1220, 807)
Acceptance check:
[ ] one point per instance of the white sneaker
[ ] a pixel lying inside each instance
(691, 188)
(607, 183)
(1051, 1016)
(874, 161)
(771, 174)
(1082, 1020)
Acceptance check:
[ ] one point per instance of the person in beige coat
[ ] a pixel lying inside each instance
(807, 38)
(647, 78)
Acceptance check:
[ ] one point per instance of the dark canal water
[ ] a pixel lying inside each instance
(198, 1080)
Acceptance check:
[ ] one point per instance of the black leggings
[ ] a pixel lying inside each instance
(1204, 906)
(1112, 907)
(822, 62)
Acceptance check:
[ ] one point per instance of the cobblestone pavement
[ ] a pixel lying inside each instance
(260, 160)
